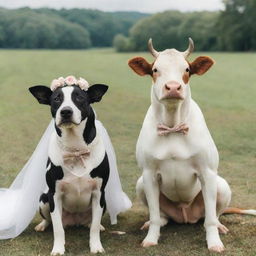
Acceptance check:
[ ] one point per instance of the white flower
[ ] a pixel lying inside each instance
(83, 84)
(62, 80)
(57, 83)
(70, 80)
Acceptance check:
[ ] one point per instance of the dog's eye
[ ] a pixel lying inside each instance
(187, 70)
(155, 70)
(57, 99)
(79, 98)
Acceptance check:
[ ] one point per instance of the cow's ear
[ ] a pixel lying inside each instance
(140, 66)
(96, 92)
(41, 93)
(200, 65)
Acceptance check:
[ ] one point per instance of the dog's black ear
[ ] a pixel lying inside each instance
(41, 93)
(96, 91)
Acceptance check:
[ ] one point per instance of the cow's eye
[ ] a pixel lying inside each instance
(187, 70)
(155, 70)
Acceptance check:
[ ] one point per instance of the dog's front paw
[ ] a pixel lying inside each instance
(41, 226)
(96, 247)
(217, 248)
(58, 251)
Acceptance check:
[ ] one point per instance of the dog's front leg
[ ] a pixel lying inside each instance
(151, 188)
(58, 230)
(208, 180)
(97, 210)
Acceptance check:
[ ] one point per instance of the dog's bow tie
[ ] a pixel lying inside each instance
(70, 157)
(165, 130)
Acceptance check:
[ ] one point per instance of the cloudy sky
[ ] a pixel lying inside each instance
(120, 5)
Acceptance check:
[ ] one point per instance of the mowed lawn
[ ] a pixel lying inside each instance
(226, 95)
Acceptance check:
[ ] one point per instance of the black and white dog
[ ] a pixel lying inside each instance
(78, 167)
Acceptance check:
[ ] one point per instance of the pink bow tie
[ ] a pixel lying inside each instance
(70, 157)
(165, 130)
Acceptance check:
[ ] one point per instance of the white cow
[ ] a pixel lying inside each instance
(176, 152)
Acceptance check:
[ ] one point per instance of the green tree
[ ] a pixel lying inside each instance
(236, 25)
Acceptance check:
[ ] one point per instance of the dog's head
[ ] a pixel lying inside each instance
(70, 105)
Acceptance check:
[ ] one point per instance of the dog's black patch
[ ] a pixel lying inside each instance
(43, 198)
(52, 175)
(102, 171)
(89, 132)
(81, 100)
(56, 100)
(58, 130)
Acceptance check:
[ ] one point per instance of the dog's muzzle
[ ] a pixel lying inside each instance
(66, 115)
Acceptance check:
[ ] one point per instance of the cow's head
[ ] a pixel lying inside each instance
(70, 105)
(171, 71)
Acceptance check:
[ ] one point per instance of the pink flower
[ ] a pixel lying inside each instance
(83, 84)
(70, 80)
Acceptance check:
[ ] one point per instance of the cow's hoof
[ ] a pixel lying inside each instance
(57, 252)
(217, 248)
(222, 229)
(145, 226)
(146, 243)
(96, 248)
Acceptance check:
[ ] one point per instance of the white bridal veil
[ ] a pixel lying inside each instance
(19, 203)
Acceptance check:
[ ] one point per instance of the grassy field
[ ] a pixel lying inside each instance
(227, 98)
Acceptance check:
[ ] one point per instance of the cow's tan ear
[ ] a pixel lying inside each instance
(140, 66)
(200, 65)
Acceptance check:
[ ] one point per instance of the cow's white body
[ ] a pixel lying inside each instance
(177, 157)
(179, 168)
(179, 163)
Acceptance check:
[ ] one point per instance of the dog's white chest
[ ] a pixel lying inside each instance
(77, 192)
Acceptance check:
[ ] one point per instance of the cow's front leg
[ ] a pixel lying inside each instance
(97, 210)
(58, 230)
(151, 188)
(208, 180)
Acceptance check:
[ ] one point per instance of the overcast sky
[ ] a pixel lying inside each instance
(120, 5)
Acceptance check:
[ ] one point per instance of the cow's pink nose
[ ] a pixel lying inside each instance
(173, 86)
(173, 90)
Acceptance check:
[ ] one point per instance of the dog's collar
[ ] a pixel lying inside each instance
(165, 130)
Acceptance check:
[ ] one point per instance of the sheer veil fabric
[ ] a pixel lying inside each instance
(19, 203)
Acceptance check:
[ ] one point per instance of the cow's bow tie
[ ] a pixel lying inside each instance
(165, 130)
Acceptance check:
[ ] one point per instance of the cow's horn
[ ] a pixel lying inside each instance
(151, 48)
(190, 48)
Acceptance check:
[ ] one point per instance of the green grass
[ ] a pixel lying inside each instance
(226, 95)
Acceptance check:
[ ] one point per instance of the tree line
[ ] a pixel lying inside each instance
(232, 29)
(62, 29)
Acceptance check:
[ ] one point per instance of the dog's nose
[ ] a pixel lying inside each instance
(66, 112)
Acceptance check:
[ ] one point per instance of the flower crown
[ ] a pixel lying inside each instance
(68, 81)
